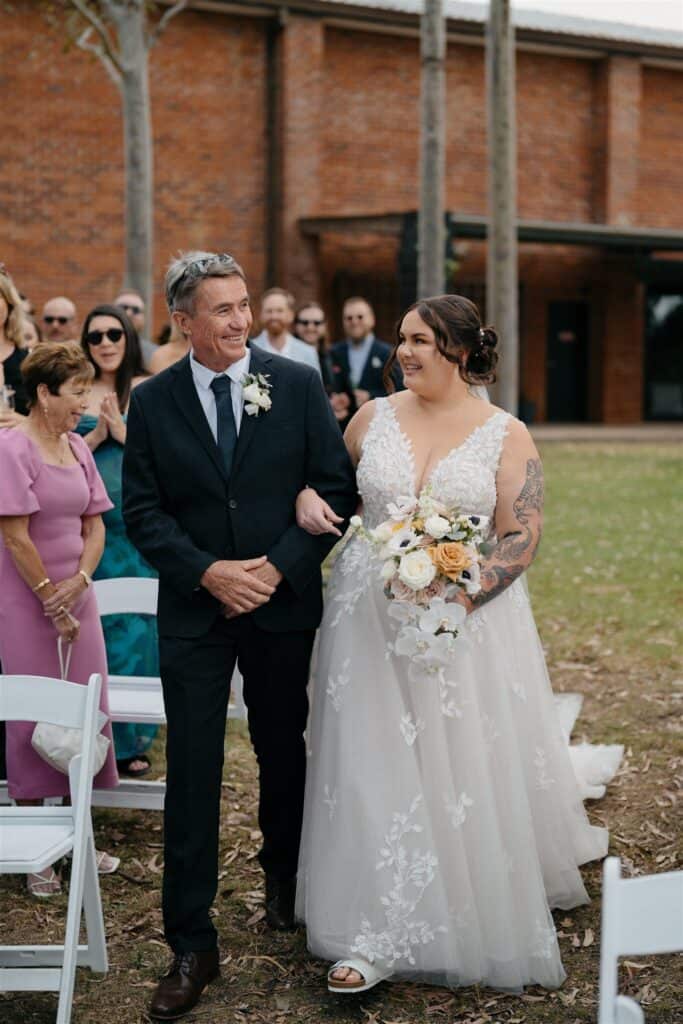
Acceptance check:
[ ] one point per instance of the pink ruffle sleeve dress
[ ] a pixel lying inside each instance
(55, 498)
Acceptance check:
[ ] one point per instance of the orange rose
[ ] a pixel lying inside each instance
(450, 559)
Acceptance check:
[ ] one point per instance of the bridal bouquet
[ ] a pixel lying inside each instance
(428, 554)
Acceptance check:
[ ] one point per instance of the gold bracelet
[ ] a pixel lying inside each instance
(88, 579)
(39, 586)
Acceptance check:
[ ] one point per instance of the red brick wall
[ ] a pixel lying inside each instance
(62, 176)
(660, 191)
(597, 140)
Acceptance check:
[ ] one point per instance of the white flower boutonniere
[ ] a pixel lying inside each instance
(376, 363)
(256, 392)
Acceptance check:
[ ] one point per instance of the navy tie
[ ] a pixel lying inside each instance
(227, 431)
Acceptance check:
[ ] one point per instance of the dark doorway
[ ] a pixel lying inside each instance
(566, 362)
(664, 355)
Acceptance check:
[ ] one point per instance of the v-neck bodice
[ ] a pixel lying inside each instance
(464, 478)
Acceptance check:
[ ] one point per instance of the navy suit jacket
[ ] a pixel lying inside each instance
(183, 512)
(371, 379)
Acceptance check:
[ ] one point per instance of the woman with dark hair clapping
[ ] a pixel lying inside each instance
(111, 344)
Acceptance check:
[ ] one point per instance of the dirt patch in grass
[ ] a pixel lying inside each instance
(270, 978)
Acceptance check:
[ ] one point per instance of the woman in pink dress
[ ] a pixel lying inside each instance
(51, 505)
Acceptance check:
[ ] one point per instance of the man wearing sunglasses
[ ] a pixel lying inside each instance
(133, 305)
(59, 320)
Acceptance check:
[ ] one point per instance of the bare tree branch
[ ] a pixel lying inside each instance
(99, 26)
(161, 25)
(84, 43)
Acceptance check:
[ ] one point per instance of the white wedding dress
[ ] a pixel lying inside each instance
(442, 820)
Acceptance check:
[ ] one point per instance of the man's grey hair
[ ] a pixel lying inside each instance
(190, 268)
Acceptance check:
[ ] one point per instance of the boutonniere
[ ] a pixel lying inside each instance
(256, 392)
(376, 363)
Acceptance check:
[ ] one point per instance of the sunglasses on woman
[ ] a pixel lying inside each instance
(95, 337)
(310, 323)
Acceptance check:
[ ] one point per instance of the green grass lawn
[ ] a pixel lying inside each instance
(606, 591)
(610, 564)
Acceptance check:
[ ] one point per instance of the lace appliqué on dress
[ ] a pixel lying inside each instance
(412, 874)
(336, 686)
(355, 560)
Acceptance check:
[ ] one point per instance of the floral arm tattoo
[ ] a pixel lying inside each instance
(516, 550)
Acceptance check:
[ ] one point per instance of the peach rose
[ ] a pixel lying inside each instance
(450, 559)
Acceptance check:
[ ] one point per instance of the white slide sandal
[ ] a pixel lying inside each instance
(370, 975)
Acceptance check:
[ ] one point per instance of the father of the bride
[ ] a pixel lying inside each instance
(218, 447)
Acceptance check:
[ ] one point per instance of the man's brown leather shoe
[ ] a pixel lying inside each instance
(180, 988)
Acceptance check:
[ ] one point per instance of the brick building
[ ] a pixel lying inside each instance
(290, 136)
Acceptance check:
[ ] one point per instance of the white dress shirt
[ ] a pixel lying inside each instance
(202, 377)
(294, 349)
(358, 357)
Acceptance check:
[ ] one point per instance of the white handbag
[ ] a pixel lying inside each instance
(58, 744)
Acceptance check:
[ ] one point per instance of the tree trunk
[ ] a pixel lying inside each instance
(501, 276)
(137, 134)
(431, 239)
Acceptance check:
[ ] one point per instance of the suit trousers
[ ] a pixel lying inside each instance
(195, 675)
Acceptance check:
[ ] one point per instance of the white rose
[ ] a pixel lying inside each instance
(264, 401)
(252, 393)
(355, 521)
(383, 532)
(388, 570)
(416, 569)
(437, 527)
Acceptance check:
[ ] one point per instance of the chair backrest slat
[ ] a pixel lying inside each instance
(649, 914)
(127, 595)
(41, 699)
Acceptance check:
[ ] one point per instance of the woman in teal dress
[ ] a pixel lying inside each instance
(111, 344)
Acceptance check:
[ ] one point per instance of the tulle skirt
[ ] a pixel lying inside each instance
(443, 819)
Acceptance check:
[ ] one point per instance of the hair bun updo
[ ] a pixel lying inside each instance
(482, 358)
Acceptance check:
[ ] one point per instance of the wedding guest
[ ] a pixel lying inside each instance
(171, 351)
(32, 333)
(133, 305)
(111, 345)
(361, 354)
(59, 319)
(12, 350)
(51, 506)
(277, 316)
(310, 325)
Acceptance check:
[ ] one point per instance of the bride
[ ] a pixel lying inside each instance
(443, 819)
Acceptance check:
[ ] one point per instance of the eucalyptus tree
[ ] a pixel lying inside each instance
(121, 33)
(501, 273)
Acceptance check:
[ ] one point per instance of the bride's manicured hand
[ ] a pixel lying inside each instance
(236, 585)
(65, 594)
(314, 515)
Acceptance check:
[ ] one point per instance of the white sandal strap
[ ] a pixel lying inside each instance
(368, 972)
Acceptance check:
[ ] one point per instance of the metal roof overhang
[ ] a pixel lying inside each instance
(609, 236)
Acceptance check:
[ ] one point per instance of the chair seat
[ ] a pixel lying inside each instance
(134, 699)
(31, 842)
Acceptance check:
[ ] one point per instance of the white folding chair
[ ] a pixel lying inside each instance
(639, 916)
(140, 698)
(32, 838)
